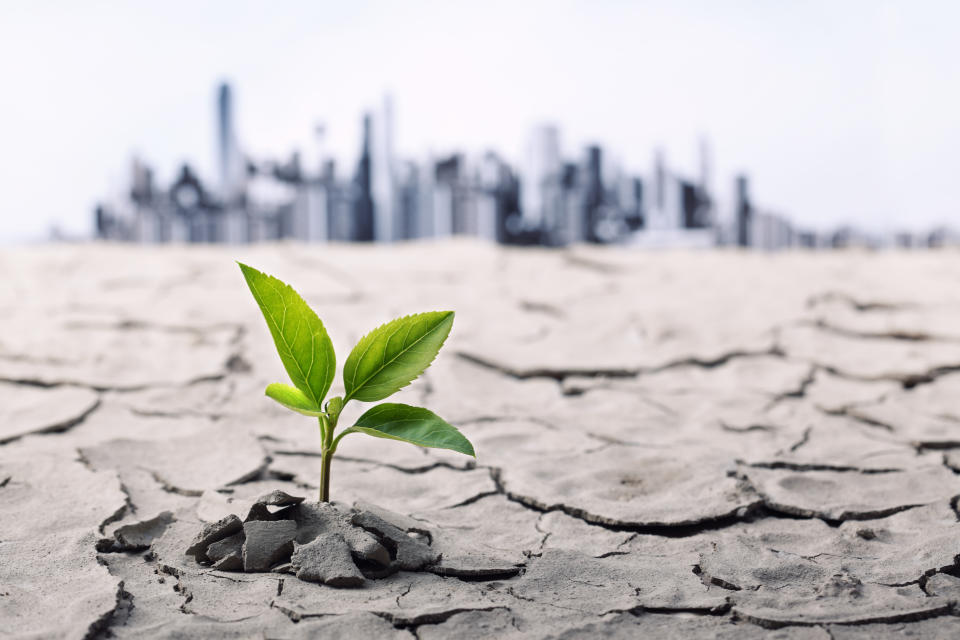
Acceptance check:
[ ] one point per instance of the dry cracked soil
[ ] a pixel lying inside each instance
(670, 445)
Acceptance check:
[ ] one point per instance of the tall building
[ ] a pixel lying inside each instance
(446, 212)
(678, 203)
(667, 211)
(383, 175)
(425, 206)
(743, 212)
(593, 194)
(705, 212)
(313, 199)
(142, 198)
(572, 226)
(408, 201)
(363, 208)
(640, 195)
(489, 195)
(541, 178)
(341, 198)
(691, 205)
(230, 164)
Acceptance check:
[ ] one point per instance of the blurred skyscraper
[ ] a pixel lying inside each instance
(743, 212)
(592, 208)
(383, 179)
(229, 159)
(363, 217)
(550, 201)
(540, 179)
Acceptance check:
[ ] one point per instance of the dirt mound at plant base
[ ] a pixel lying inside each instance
(329, 543)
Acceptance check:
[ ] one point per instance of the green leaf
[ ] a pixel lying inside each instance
(302, 342)
(415, 425)
(392, 356)
(292, 398)
(334, 407)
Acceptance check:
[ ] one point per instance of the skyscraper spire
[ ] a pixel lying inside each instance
(229, 162)
(363, 209)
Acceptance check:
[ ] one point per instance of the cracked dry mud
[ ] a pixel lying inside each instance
(706, 445)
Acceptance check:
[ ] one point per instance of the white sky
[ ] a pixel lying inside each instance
(841, 111)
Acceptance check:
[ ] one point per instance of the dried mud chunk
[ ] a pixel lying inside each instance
(213, 532)
(233, 562)
(267, 543)
(258, 511)
(327, 559)
(139, 535)
(316, 519)
(366, 546)
(278, 498)
(227, 554)
(411, 554)
(391, 517)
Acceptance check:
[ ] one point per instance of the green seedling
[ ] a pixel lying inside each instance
(384, 361)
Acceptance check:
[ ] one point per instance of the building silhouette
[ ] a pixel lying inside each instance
(363, 217)
(743, 212)
(549, 200)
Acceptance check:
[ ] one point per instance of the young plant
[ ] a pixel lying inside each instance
(384, 361)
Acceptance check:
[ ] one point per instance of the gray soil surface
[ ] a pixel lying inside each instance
(670, 445)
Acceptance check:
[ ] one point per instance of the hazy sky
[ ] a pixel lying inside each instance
(841, 111)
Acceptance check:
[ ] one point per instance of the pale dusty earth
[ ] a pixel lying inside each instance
(670, 445)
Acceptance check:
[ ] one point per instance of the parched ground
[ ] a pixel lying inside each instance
(683, 445)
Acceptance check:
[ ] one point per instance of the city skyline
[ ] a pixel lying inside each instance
(842, 113)
(540, 182)
(548, 199)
